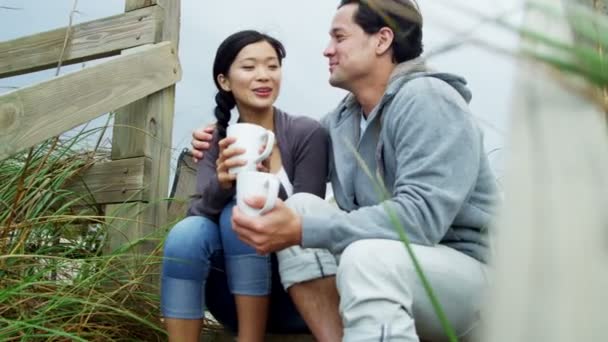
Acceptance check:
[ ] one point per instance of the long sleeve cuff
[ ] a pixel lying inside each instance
(315, 231)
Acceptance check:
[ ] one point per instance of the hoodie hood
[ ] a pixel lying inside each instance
(417, 68)
(408, 71)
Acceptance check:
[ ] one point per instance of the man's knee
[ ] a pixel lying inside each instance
(373, 295)
(302, 202)
(374, 259)
(356, 260)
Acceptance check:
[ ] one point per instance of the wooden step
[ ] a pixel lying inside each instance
(225, 336)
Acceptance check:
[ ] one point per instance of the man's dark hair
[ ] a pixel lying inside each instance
(401, 16)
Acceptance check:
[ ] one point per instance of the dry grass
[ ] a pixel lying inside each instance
(56, 284)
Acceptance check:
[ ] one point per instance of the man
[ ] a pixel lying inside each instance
(410, 129)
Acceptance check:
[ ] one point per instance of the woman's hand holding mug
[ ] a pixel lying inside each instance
(226, 161)
(228, 165)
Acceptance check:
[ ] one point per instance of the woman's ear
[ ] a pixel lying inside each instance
(385, 40)
(223, 82)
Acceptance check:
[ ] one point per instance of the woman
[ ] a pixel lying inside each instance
(205, 264)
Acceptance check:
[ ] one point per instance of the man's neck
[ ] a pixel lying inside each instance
(369, 91)
(264, 118)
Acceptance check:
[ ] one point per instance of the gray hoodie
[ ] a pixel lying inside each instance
(422, 142)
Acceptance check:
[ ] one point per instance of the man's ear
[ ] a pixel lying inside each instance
(224, 82)
(385, 40)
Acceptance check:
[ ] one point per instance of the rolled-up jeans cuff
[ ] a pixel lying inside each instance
(182, 298)
(298, 265)
(248, 274)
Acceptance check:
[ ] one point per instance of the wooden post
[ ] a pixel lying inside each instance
(550, 275)
(144, 129)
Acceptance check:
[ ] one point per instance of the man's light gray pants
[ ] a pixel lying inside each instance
(381, 296)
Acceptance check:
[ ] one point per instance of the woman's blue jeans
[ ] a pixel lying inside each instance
(205, 265)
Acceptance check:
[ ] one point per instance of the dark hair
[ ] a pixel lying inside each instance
(402, 16)
(224, 57)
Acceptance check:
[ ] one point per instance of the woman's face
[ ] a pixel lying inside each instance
(254, 78)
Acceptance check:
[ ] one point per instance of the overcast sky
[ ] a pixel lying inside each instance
(302, 26)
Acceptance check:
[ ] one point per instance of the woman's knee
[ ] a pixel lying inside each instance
(231, 244)
(192, 236)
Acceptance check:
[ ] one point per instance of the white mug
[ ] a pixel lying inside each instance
(254, 183)
(251, 138)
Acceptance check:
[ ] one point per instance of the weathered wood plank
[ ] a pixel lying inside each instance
(224, 336)
(128, 225)
(117, 181)
(137, 4)
(30, 115)
(551, 256)
(145, 127)
(133, 134)
(172, 20)
(90, 40)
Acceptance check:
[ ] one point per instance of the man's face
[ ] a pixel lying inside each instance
(351, 51)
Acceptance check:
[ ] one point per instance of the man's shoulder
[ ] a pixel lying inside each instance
(428, 97)
(425, 104)
(404, 98)
(432, 87)
(421, 87)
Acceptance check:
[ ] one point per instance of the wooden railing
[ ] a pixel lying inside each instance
(137, 85)
(90, 40)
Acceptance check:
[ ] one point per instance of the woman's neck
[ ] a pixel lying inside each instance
(264, 118)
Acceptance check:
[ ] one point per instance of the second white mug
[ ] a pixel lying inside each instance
(254, 183)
